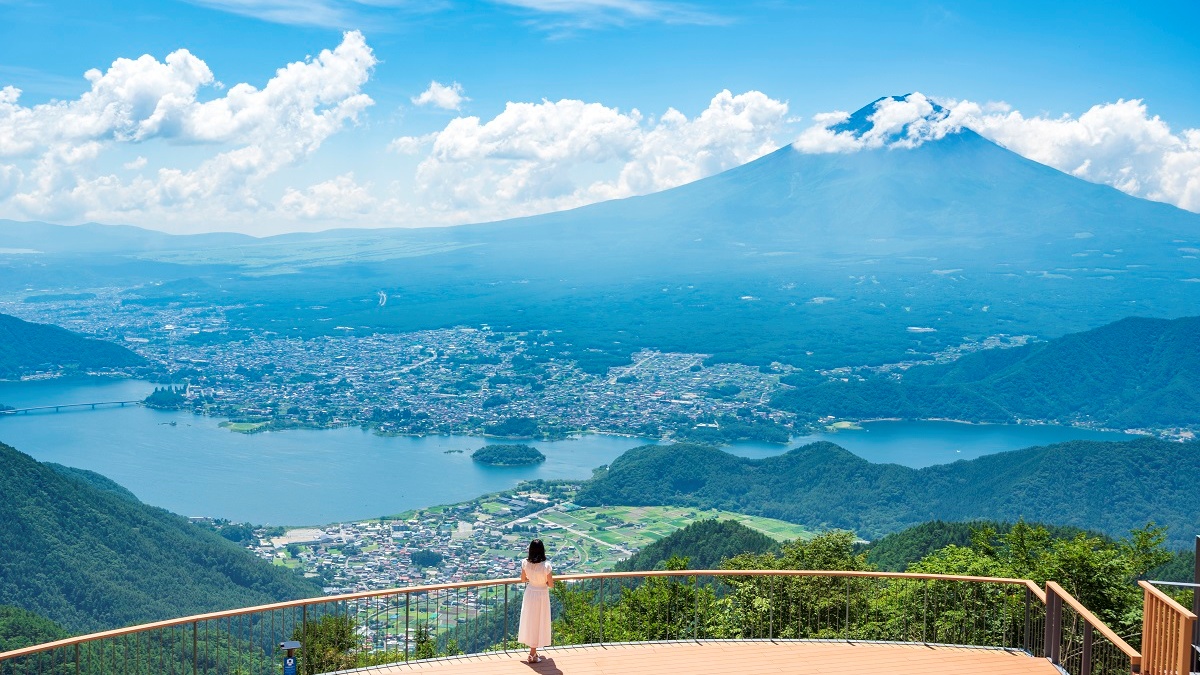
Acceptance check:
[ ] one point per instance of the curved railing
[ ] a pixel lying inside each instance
(378, 627)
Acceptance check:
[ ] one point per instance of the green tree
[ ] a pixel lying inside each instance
(1098, 572)
(425, 643)
(327, 644)
(802, 607)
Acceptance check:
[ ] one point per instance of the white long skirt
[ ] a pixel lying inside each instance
(534, 630)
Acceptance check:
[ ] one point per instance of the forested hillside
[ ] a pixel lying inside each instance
(28, 347)
(896, 551)
(84, 553)
(705, 543)
(1102, 486)
(21, 628)
(102, 483)
(1135, 373)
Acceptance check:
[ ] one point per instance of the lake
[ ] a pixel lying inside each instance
(189, 465)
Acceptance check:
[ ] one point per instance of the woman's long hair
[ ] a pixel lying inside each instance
(537, 551)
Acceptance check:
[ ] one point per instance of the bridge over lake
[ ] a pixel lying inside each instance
(68, 406)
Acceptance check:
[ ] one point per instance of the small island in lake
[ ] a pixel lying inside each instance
(166, 398)
(508, 455)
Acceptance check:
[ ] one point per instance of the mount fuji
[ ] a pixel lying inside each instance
(818, 260)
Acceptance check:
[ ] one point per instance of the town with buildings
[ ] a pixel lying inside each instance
(481, 539)
(464, 380)
(484, 538)
(458, 380)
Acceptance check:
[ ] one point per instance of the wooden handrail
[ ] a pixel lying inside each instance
(1135, 657)
(1163, 597)
(1166, 634)
(196, 618)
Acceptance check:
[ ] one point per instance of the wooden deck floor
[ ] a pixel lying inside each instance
(742, 658)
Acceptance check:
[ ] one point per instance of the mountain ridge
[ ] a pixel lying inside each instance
(1134, 373)
(26, 347)
(1111, 487)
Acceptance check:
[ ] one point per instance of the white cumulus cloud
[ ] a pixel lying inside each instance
(411, 145)
(1118, 144)
(536, 157)
(252, 132)
(338, 198)
(438, 95)
(10, 177)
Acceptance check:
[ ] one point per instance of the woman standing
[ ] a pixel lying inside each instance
(534, 629)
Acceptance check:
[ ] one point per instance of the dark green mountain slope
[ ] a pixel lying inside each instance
(93, 479)
(27, 347)
(705, 543)
(92, 558)
(1134, 373)
(1108, 487)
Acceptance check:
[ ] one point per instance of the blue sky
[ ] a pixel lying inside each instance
(386, 152)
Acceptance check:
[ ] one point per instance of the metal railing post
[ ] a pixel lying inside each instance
(846, 623)
(195, 649)
(1048, 629)
(1085, 665)
(925, 614)
(670, 597)
(1053, 625)
(771, 604)
(505, 617)
(76, 659)
(1027, 639)
(601, 611)
(407, 602)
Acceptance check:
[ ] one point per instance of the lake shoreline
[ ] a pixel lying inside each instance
(196, 467)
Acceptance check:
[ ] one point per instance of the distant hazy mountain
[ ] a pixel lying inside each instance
(815, 260)
(1135, 373)
(28, 347)
(82, 552)
(1109, 487)
(93, 239)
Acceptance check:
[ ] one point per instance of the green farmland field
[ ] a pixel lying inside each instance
(596, 538)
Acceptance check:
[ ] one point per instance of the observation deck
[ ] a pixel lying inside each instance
(747, 622)
(744, 657)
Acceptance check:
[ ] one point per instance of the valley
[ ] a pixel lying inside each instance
(480, 539)
(318, 382)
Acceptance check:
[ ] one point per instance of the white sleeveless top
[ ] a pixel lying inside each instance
(536, 572)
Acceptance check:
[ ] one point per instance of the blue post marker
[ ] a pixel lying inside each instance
(289, 660)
